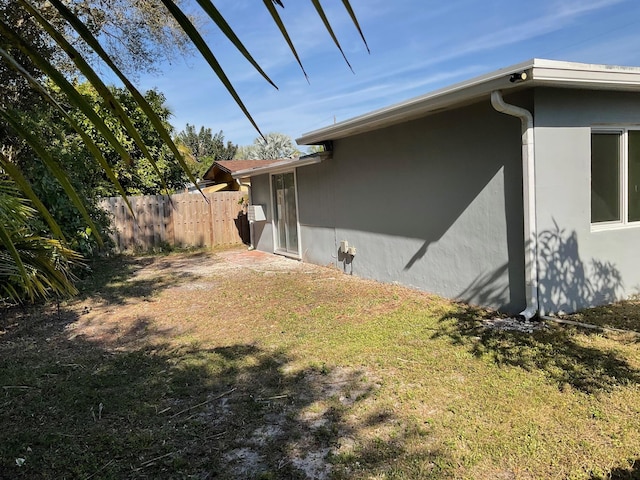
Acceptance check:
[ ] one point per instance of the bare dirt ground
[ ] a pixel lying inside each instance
(265, 425)
(231, 364)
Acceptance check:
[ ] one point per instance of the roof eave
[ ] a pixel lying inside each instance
(540, 72)
(283, 166)
(418, 106)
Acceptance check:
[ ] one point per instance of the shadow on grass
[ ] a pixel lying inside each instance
(115, 281)
(566, 283)
(77, 407)
(631, 473)
(555, 351)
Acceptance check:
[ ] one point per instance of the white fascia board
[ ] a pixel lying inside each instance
(584, 75)
(540, 72)
(418, 106)
(283, 166)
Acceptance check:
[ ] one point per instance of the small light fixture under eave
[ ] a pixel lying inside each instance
(518, 77)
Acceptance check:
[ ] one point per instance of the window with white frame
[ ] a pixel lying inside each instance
(615, 177)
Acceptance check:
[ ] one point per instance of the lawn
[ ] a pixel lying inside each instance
(235, 365)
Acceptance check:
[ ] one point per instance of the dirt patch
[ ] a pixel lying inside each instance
(236, 364)
(275, 420)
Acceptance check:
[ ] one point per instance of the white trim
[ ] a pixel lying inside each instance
(540, 72)
(283, 166)
(417, 107)
(273, 214)
(623, 168)
(298, 233)
(274, 231)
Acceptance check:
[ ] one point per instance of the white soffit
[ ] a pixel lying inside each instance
(539, 72)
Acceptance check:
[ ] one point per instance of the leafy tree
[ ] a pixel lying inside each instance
(84, 175)
(272, 145)
(70, 29)
(137, 175)
(202, 148)
(315, 149)
(243, 152)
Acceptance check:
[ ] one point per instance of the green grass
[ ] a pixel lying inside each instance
(273, 374)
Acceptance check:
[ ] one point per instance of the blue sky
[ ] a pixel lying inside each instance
(416, 47)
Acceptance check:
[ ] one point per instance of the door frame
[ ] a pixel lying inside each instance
(274, 229)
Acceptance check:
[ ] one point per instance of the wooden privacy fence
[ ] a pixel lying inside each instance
(188, 220)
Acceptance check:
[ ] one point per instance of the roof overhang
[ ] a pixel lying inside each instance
(283, 165)
(539, 72)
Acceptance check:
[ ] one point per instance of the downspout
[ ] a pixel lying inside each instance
(529, 200)
(248, 185)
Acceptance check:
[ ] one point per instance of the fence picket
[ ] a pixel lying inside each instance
(181, 220)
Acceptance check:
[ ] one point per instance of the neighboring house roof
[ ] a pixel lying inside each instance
(232, 166)
(538, 72)
(282, 165)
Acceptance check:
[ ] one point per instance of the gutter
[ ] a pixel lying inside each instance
(528, 198)
(541, 72)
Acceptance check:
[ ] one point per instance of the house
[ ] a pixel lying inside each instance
(219, 176)
(518, 190)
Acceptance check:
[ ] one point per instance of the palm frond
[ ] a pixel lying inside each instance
(283, 30)
(354, 19)
(93, 43)
(224, 27)
(327, 24)
(110, 100)
(90, 144)
(208, 55)
(31, 266)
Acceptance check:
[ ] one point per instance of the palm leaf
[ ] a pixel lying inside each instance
(278, 21)
(30, 266)
(95, 151)
(71, 93)
(54, 167)
(222, 24)
(354, 19)
(23, 184)
(90, 40)
(6, 241)
(325, 20)
(110, 100)
(208, 55)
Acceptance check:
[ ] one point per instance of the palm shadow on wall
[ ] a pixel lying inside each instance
(571, 284)
(565, 282)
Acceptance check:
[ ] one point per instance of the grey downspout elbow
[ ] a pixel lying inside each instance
(529, 200)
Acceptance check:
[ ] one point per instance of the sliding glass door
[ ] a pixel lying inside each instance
(285, 213)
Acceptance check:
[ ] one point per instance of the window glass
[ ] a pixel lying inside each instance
(605, 177)
(634, 176)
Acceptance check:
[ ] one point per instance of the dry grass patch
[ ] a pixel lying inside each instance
(239, 365)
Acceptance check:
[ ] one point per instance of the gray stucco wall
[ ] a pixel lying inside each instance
(434, 203)
(579, 268)
(262, 231)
